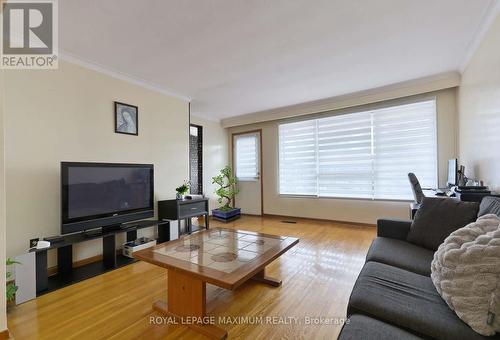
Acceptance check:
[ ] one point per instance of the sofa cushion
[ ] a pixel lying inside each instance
(401, 254)
(393, 228)
(407, 300)
(489, 205)
(363, 327)
(439, 217)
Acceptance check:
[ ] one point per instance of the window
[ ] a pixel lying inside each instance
(196, 159)
(246, 157)
(364, 154)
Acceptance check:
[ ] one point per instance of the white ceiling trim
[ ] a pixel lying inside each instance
(118, 75)
(394, 91)
(489, 16)
(202, 117)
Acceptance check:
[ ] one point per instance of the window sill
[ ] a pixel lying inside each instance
(345, 198)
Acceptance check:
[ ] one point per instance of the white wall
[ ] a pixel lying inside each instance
(352, 210)
(215, 155)
(479, 111)
(3, 316)
(67, 115)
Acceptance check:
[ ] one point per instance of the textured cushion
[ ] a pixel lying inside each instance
(361, 327)
(466, 272)
(407, 300)
(401, 254)
(439, 217)
(489, 205)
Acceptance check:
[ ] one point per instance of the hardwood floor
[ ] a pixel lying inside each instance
(318, 275)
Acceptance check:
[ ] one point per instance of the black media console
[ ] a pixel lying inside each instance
(67, 275)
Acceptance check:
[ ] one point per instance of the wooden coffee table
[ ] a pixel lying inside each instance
(224, 257)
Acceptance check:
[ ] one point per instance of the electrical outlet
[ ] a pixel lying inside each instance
(33, 242)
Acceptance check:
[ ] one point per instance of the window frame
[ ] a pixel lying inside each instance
(258, 149)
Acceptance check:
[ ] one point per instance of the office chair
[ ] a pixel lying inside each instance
(418, 194)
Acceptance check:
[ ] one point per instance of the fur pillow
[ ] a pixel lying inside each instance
(466, 273)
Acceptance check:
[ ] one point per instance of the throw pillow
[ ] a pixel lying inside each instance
(489, 205)
(439, 217)
(466, 273)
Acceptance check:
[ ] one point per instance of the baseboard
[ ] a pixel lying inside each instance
(321, 220)
(4, 335)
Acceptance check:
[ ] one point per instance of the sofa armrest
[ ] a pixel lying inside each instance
(393, 228)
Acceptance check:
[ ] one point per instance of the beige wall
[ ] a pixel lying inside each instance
(67, 115)
(479, 111)
(3, 317)
(363, 211)
(215, 155)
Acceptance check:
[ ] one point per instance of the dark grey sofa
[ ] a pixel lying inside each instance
(394, 297)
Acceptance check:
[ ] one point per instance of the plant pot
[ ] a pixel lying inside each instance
(180, 196)
(226, 215)
(10, 305)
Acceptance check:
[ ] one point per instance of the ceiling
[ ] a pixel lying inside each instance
(239, 56)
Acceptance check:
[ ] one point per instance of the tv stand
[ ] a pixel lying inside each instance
(92, 233)
(67, 275)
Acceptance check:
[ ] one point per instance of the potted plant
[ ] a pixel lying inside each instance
(182, 190)
(11, 289)
(226, 192)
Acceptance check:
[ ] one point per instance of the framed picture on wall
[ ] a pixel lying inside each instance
(126, 119)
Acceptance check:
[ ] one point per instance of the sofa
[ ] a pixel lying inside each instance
(394, 297)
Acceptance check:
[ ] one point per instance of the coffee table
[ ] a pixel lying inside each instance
(224, 257)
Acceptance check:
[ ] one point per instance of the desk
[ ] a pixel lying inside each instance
(460, 196)
(463, 196)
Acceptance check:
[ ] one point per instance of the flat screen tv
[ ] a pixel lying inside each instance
(104, 195)
(452, 172)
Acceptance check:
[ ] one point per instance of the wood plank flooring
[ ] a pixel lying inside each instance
(318, 275)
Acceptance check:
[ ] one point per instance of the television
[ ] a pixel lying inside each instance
(452, 172)
(104, 195)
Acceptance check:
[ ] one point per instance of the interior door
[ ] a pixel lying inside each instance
(247, 166)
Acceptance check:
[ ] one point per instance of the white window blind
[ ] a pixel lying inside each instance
(360, 155)
(298, 160)
(246, 154)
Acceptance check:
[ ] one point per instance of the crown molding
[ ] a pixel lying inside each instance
(489, 17)
(200, 116)
(70, 58)
(399, 90)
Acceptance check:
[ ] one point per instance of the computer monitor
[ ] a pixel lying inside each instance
(452, 172)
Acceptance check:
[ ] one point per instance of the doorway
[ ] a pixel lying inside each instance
(247, 167)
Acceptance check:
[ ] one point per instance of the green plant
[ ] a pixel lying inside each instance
(183, 189)
(11, 287)
(227, 188)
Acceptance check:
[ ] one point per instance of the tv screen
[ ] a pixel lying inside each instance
(103, 194)
(452, 172)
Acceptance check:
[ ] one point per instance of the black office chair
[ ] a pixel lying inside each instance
(418, 194)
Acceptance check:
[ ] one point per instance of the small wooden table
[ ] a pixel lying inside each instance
(223, 257)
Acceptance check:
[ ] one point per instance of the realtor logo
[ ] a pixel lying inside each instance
(29, 35)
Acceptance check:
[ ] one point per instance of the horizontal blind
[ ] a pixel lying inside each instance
(297, 157)
(345, 156)
(246, 157)
(405, 140)
(360, 155)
